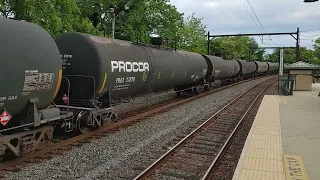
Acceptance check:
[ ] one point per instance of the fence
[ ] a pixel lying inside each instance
(285, 86)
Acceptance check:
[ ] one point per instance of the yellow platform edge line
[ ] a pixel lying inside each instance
(264, 103)
(294, 167)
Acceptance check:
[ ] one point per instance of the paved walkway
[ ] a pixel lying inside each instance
(300, 128)
(284, 141)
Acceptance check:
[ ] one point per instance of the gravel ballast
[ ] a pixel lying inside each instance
(227, 164)
(143, 101)
(125, 153)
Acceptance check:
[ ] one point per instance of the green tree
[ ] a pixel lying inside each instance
(134, 18)
(316, 47)
(192, 36)
(289, 55)
(56, 16)
(152, 17)
(237, 47)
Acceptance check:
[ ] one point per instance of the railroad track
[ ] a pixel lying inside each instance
(58, 148)
(196, 154)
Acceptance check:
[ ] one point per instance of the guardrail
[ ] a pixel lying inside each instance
(285, 86)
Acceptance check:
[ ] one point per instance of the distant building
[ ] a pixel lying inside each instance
(303, 74)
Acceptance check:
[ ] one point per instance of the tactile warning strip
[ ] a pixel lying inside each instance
(261, 158)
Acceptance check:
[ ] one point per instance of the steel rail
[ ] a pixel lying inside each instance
(117, 125)
(232, 135)
(158, 162)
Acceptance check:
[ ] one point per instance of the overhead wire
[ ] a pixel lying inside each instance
(251, 18)
(311, 30)
(310, 36)
(260, 22)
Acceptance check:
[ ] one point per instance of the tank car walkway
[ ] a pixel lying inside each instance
(284, 140)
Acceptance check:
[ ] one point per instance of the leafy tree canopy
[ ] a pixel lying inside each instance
(237, 48)
(136, 20)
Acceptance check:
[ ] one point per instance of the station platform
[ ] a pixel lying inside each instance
(284, 140)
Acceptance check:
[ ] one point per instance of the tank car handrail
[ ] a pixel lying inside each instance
(68, 93)
(42, 122)
(94, 84)
(16, 127)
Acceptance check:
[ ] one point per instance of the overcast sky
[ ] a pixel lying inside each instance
(230, 17)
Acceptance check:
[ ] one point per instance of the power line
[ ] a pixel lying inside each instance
(310, 40)
(251, 18)
(259, 21)
(310, 36)
(311, 30)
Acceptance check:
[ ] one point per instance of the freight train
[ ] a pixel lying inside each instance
(70, 82)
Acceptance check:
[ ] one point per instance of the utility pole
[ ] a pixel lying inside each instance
(297, 46)
(121, 13)
(208, 50)
(281, 62)
(113, 16)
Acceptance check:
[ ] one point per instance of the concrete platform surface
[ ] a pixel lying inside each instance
(313, 93)
(300, 128)
(284, 140)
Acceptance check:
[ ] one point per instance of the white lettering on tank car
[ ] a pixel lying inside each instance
(129, 67)
(12, 98)
(135, 64)
(1, 104)
(125, 80)
(31, 71)
(9, 98)
(130, 79)
(25, 93)
(122, 66)
(120, 80)
(65, 60)
(69, 56)
(38, 81)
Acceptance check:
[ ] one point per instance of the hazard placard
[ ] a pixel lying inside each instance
(5, 117)
(65, 98)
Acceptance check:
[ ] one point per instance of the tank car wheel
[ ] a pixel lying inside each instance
(44, 141)
(114, 117)
(3, 157)
(43, 144)
(82, 122)
(179, 94)
(200, 89)
(196, 90)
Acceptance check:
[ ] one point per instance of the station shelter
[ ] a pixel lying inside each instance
(303, 74)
